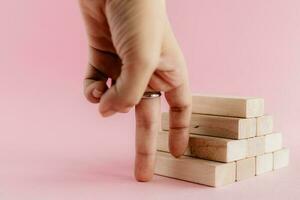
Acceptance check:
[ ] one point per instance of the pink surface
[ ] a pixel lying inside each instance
(54, 145)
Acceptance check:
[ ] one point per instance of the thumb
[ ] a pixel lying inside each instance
(128, 89)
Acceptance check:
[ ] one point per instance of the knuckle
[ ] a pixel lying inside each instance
(179, 129)
(147, 124)
(180, 108)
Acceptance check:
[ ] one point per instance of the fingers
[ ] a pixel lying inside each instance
(179, 100)
(147, 114)
(136, 30)
(94, 84)
(103, 61)
(101, 66)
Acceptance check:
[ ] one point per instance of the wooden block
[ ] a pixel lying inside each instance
(210, 148)
(218, 126)
(195, 170)
(264, 163)
(245, 168)
(281, 158)
(264, 125)
(245, 107)
(217, 149)
(256, 146)
(162, 142)
(273, 142)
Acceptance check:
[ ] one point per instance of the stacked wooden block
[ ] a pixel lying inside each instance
(231, 139)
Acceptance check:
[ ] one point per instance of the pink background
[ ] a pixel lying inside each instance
(54, 145)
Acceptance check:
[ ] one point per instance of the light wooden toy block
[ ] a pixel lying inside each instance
(281, 158)
(245, 168)
(273, 142)
(264, 163)
(264, 125)
(255, 146)
(195, 170)
(162, 142)
(217, 149)
(218, 126)
(210, 148)
(245, 107)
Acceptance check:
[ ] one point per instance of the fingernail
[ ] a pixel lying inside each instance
(97, 93)
(108, 113)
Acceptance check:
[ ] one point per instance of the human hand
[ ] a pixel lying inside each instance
(131, 42)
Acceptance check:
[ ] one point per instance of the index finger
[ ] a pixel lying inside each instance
(147, 114)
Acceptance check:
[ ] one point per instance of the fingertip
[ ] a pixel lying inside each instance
(140, 177)
(96, 93)
(177, 152)
(94, 90)
(178, 144)
(144, 167)
(90, 97)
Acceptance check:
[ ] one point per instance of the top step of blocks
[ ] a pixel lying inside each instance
(244, 107)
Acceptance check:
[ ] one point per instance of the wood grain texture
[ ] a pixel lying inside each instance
(245, 107)
(245, 168)
(194, 170)
(264, 163)
(273, 142)
(255, 146)
(210, 148)
(281, 158)
(218, 126)
(264, 125)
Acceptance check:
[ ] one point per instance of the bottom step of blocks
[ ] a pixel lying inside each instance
(264, 163)
(195, 170)
(245, 168)
(280, 158)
